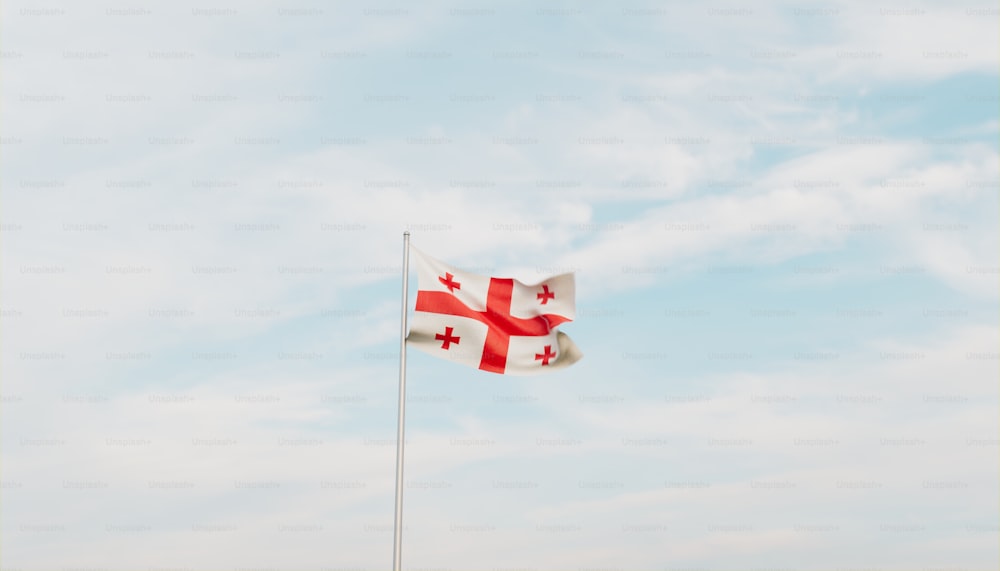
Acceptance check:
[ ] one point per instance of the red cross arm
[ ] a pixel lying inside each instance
(441, 302)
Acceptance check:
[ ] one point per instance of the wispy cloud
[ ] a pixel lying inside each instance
(782, 219)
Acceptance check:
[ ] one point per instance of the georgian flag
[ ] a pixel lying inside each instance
(499, 325)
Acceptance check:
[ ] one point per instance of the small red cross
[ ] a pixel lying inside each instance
(544, 358)
(546, 295)
(446, 339)
(447, 281)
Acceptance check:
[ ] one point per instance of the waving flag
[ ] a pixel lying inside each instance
(499, 325)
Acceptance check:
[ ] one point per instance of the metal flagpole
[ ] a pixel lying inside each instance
(397, 546)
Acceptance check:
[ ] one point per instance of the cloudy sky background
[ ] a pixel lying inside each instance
(783, 219)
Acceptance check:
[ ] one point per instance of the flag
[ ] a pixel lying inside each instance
(498, 325)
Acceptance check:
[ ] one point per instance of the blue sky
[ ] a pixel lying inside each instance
(782, 219)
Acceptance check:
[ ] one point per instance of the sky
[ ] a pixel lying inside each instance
(782, 218)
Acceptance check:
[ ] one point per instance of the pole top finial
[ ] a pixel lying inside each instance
(406, 232)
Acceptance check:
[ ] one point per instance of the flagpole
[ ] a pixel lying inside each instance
(397, 546)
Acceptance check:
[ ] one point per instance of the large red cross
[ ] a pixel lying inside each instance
(499, 322)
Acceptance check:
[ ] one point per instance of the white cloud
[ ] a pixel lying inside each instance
(654, 160)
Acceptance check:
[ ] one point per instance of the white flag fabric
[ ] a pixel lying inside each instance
(498, 325)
